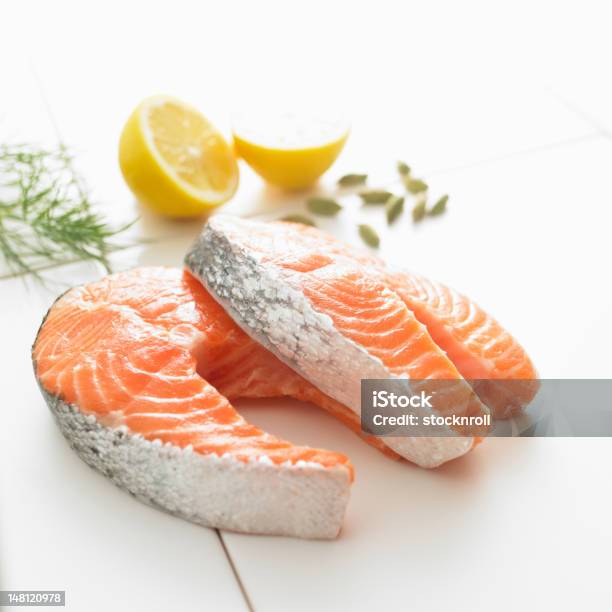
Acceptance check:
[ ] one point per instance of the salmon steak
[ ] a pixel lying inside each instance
(336, 316)
(140, 369)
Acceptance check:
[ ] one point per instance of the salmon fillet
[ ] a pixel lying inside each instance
(138, 369)
(336, 315)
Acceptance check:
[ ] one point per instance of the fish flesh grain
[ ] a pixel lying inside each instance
(337, 315)
(139, 370)
(141, 367)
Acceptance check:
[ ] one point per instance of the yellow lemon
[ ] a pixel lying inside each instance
(288, 150)
(174, 160)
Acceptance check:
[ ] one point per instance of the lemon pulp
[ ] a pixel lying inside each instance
(289, 150)
(174, 160)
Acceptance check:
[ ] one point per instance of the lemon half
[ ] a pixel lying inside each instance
(174, 160)
(289, 150)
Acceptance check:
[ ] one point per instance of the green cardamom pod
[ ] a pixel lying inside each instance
(415, 186)
(352, 180)
(394, 208)
(303, 219)
(323, 206)
(418, 212)
(369, 236)
(375, 196)
(439, 207)
(403, 168)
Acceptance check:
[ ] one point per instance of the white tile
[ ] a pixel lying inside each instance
(432, 131)
(23, 115)
(63, 526)
(433, 110)
(589, 99)
(577, 59)
(506, 525)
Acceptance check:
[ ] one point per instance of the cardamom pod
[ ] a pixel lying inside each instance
(415, 186)
(352, 180)
(303, 219)
(394, 208)
(375, 196)
(439, 207)
(418, 212)
(323, 206)
(403, 168)
(369, 236)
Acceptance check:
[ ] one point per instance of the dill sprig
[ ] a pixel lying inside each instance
(46, 216)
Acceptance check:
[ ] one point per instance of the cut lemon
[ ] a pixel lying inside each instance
(174, 160)
(290, 151)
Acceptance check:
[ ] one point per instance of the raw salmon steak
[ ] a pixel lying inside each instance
(138, 368)
(336, 316)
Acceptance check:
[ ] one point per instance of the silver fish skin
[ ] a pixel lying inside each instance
(277, 314)
(210, 490)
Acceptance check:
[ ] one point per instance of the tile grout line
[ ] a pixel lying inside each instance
(59, 264)
(44, 98)
(584, 115)
(520, 153)
(234, 569)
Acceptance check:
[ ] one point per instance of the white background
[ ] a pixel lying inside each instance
(505, 106)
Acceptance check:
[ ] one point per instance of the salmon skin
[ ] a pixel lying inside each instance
(138, 368)
(336, 315)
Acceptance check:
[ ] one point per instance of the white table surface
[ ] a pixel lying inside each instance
(510, 112)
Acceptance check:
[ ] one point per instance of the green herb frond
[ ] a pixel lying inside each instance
(46, 216)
